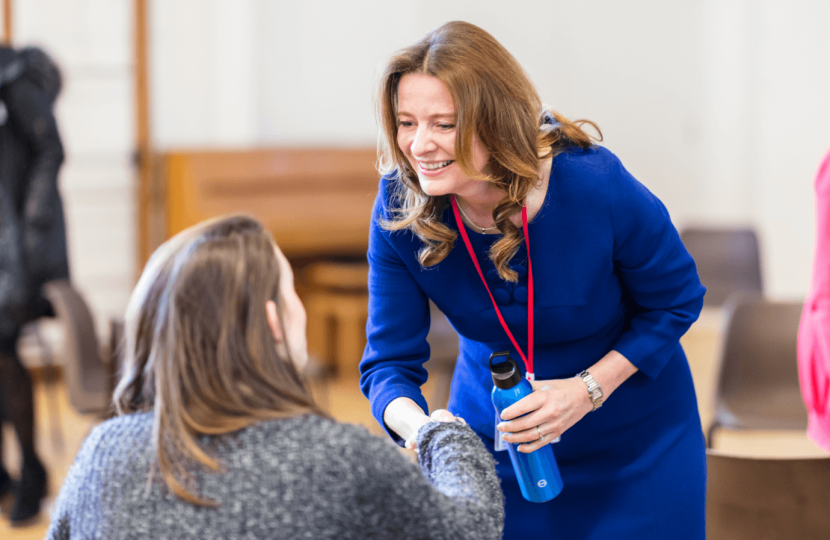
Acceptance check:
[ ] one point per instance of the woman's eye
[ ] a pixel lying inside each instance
(404, 123)
(446, 126)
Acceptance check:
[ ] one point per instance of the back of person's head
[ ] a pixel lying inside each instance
(199, 350)
(42, 69)
(33, 63)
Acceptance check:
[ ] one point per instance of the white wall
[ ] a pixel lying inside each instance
(766, 126)
(792, 132)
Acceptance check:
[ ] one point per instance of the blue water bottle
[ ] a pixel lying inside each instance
(538, 474)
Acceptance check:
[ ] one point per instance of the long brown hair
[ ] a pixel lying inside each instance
(494, 100)
(198, 350)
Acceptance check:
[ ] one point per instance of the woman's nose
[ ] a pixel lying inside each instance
(422, 144)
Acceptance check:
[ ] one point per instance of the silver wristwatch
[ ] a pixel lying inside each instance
(594, 389)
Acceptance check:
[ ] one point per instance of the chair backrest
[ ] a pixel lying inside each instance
(757, 499)
(758, 386)
(727, 260)
(85, 374)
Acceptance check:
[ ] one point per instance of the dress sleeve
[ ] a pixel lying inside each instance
(397, 325)
(455, 495)
(658, 274)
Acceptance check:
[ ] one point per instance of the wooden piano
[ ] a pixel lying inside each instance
(317, 202)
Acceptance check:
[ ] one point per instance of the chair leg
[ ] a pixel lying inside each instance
(710, 433)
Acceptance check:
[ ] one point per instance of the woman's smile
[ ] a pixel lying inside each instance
(434, 167)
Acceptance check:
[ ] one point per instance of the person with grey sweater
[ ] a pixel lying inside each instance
(217, 436)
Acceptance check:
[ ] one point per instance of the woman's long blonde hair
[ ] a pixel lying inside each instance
(494, 100)
(198, 349)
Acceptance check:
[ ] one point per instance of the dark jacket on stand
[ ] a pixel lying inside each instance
(32, 229)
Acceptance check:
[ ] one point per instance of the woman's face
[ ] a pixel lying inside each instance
(426, 136)
(293, 316)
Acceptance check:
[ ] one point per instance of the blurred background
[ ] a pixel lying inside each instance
(176, 110)
(719, 107)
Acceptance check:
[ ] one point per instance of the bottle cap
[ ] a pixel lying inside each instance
(505, 373)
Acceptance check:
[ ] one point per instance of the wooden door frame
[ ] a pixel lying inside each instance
(8, 26)
(144, 149)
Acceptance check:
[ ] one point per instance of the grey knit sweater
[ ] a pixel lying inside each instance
(303, 477)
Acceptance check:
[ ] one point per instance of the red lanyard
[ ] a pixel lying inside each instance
(528, 360)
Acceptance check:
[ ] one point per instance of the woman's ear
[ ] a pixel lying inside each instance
(273, 320)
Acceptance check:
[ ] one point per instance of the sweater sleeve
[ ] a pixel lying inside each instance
(456, 495)
(77, 508)
(657, 272)
(397, 324)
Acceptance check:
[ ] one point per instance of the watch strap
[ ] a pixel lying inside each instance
(594, 389)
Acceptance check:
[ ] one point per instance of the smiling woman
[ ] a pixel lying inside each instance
(469, 150)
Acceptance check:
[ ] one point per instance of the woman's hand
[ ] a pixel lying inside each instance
(553, 407)
(557, 404)
(405, 417)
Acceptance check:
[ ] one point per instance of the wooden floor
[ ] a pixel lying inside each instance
(61, 431)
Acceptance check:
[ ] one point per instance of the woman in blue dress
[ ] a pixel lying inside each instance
(593, 288)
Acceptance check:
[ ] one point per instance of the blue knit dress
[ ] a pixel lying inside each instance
(610, 273)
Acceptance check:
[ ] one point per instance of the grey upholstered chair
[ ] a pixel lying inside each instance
(757, 382)
(728, 260)
(87, 373)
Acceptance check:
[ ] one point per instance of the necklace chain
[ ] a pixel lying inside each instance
(483, 229)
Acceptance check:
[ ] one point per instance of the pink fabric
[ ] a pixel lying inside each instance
(814, 331)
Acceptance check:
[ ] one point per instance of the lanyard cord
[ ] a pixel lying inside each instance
(528, 360)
